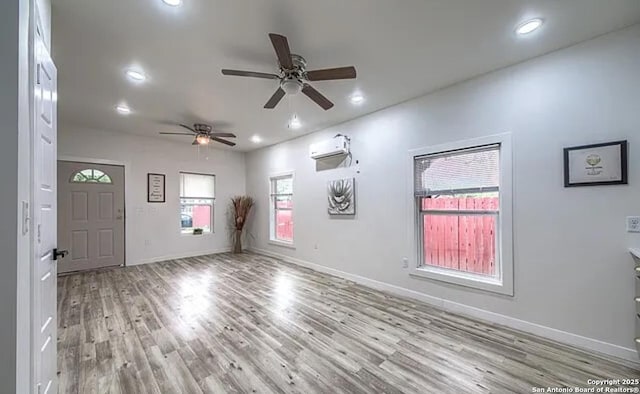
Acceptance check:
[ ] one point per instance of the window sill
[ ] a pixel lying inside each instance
(284, 244)
(195, 235)
(478, 282)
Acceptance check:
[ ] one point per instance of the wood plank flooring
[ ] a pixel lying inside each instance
(251, 324)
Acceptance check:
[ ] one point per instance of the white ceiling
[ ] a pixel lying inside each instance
(401, 49)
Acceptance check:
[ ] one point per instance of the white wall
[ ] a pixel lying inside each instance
(573, 272)
(153, 230)
(10, 64)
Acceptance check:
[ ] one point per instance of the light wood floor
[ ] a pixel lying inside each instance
(251, 324)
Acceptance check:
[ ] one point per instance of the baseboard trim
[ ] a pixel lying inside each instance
(180, 256)
(568, 338)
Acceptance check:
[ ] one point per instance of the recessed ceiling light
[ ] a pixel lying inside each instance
(123, 109)
(173, 3)
(256, 139)
(529, 26)
(136, 75)
(294, 123)
(357, 98)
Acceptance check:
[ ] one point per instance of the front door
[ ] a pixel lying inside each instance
(90, 215)
(44, 201)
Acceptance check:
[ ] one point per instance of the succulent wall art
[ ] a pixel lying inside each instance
(342, 197)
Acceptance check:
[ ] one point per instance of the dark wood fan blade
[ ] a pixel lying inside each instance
(332, 73)
(253, 74)
(176, 133)
(220, 140)
(281, 45)
(317, 97)
(275, 99)
(228, 135)
(188, 128)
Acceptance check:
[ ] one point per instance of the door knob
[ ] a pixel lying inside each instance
(59, 253)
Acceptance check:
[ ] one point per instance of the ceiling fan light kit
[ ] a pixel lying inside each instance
(291, 86)
(203, 139)
(294, 76)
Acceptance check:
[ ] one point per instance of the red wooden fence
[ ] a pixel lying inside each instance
(464, 243)
(284, 226)
(284, 221)
(201, 216)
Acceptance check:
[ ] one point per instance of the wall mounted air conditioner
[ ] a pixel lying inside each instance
(336, 146)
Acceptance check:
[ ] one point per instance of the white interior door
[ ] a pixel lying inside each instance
(90, 215)
(44, 273)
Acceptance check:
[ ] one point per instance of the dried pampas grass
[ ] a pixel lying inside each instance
(241, 206)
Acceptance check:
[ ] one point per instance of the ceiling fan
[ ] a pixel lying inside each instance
(203, 134)
(294, 76)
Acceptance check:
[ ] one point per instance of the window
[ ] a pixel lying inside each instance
(281, 221)
(461, 225)
(91, 175)
(197, 194)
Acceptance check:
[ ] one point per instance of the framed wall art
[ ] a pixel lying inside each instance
(156, 188)
(341, 197)
(597, 164)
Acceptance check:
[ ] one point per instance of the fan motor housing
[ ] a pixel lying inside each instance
(298, 70)
(299, 62)
(202, 128)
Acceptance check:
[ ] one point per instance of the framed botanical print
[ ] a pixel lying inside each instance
(597, 164)
(156, 188)
(341, 197)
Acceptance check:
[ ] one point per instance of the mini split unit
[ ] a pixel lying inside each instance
(339, 145)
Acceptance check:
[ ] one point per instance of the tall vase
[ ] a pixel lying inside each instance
(237, 242)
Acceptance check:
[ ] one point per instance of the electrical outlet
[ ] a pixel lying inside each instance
(405, 262)
(633, 224)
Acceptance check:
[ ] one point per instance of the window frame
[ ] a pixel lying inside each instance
(502, 283)
(93, 180)
(212, 204)
(273, 210)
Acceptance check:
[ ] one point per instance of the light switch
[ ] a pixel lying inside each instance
(633, 224)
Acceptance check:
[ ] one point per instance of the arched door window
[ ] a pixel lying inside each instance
(91, 175)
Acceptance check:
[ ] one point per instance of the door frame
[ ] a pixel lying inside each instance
(126, 167)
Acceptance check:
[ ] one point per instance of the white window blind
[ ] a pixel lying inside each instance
(197, 185)
(472, 170)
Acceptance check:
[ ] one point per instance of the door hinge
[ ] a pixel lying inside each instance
(39, 388)
(38, 74)
(38, 233)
